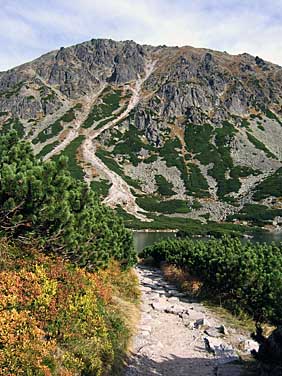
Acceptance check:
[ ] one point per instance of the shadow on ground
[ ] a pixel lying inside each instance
(176, 366)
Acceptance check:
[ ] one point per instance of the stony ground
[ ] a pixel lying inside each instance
(178, 336)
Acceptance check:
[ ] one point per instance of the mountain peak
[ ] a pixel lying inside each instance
(134, 119)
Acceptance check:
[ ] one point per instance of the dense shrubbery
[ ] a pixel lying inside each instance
(199, 141)
(257, 214)
(271, 186)
(111, 99)
(152, 204)
(244, 275)
(42, 201)
(165, 188)
(58, 319)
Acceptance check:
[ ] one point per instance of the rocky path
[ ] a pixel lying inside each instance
(75, 126)
(119, 193)
(178, 336)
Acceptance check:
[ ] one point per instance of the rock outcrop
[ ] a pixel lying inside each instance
(210, 119)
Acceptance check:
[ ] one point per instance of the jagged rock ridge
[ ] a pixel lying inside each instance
(157, 129)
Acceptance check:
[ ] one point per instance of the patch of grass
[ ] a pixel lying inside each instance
(243, 171)
(272, 116)
(189, 227)
(70, 152)
(100, 187)
(13, 124)
(151, 159)
(152, 204)
(14, 90)
(131, 144)
(114, 166)
(164, 187)
(47, 149)
(257, 214)
(197, 184)
(111, 99)
(245, 123)
(259, 145)
(198, 141)
(55, 128)
(104, 122)
(174, 158)
(271, 186)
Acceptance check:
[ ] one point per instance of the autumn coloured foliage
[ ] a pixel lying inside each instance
(57, 318)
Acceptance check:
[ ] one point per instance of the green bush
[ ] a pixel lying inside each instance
(259, 145)
(151, 204)
(42, 201)
(164, 187)
(257, 214)
(197, 184)
(13, 124)
(271, 186)
(244, 275)
(55, 128)
(70, 152)
(111, 99)
(47, 149)
(114, 166)
(198, 139)
(100, 187)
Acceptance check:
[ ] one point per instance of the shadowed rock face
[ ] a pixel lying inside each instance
(73, 71)
(196, 83)
(235, 100)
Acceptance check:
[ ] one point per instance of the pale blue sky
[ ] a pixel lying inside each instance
(29, 28)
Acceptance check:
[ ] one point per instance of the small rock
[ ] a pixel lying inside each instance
(249, 345)
(220, 349)
(145, 328)
(222, 329)
(159, 306)
(173, 299)
(195, 315)
(175, 309)
(201, 323)
(213, 332)
(146, 309)
(157, 289)
(145, 288)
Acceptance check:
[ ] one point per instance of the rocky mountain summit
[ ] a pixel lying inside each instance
(158, 132)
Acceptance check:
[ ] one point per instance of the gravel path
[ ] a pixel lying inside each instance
(178, 336)
(119, 193)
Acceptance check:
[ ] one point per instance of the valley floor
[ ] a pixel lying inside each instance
(178, 336)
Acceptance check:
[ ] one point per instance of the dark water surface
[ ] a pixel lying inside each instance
(142, 239)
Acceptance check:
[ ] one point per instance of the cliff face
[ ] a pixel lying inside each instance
(188, 131)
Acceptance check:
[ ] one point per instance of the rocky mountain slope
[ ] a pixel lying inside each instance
(157, 131)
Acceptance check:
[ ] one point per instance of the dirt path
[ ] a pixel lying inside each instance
(76, 124)
(119, 193)
(178, 336)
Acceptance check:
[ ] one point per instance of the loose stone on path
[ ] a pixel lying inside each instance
(178, 337)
